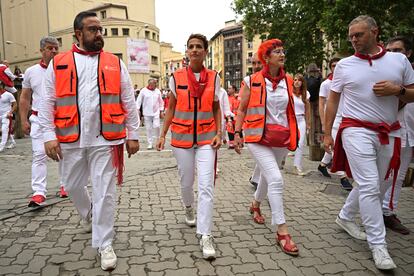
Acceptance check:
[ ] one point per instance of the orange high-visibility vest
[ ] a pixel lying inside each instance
(193, 122)
(67, 117)
(255, 119)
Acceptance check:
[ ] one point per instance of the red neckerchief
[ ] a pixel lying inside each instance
(330, 76)
(43, 64)
(275, 80)
(197, 87)
(372, 57)
(149, 88)
(76, 49)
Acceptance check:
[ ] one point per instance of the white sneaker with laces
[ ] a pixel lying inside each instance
(382, 259)
(206, 245)
(189, 216)
(108, 258)
(11, 146)
(351, 228)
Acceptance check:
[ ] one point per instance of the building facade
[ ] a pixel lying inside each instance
(21, 30)
(230, 53)
(171, 61)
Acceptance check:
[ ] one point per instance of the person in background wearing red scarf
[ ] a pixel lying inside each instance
(267, 115)
(152, 109)
(32, 93)
(367, 146)
(323, 96)
(234, 103)
(87, 111)
(195, 118)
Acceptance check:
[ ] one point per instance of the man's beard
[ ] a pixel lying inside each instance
(95, 45)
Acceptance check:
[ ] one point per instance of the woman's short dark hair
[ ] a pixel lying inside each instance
(201, 37)
(335, 59)
(77, 23)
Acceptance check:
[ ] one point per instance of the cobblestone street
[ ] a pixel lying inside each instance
(152, 239)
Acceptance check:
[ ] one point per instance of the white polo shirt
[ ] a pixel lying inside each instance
(354, 78)
(33, 78)
(151, 101)
(6, 100)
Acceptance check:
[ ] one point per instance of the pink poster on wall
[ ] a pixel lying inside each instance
(138, 56)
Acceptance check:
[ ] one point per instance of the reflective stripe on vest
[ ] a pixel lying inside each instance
(67, 117)
(255, 119)
(193, 122)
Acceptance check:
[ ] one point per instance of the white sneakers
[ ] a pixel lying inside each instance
(206, 245)
(351, 228)
(11, 146)
(382, 259)
(2, 148)
(189, 216)
(149, 147)
(108, 258)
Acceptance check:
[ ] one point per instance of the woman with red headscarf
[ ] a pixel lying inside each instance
(267, 115)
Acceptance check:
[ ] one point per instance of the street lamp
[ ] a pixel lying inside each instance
(145, 26)
(9, 42)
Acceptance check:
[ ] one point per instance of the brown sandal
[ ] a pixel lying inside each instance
(288, 248)
(257, 214)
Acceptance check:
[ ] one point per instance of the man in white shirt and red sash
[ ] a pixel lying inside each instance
(152, 109)
(32, 93)
(7, 108)
(88, 107)
(372, 82)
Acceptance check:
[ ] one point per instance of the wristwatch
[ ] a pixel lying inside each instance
(402, 91)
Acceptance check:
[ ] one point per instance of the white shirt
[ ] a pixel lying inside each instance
(224, 103)
(88, 104)
(299, 104)
(6, 100)
(354, 78)
(33, 78)
(276, 102)
(151, 101)
(171, 84)
(324, 93)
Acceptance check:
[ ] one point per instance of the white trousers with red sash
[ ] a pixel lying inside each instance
(369, 162)
(152, 126)
(5, 127)
(203, 158)
(269, 160)
(80, 164)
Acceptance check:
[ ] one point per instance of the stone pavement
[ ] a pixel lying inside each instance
(152, 238)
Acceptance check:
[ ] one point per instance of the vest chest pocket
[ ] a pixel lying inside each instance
(181, 127)
(206, 125)
(117, 118)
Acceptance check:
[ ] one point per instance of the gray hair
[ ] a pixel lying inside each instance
(364, 18)
(152, 80)
(48, 39)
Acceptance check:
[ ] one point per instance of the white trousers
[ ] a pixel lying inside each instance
(369, 161)
(94, 162)
(203, 158)
(256, 174)
(297, 162)
(271, 182)
(39, 160)
(152, 126)
(405, 158)
(5, 135)
(327, 157)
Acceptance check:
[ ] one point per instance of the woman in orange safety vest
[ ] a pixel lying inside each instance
(195, 118)
(267, 115)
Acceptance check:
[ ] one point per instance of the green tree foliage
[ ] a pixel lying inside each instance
(300, 23)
